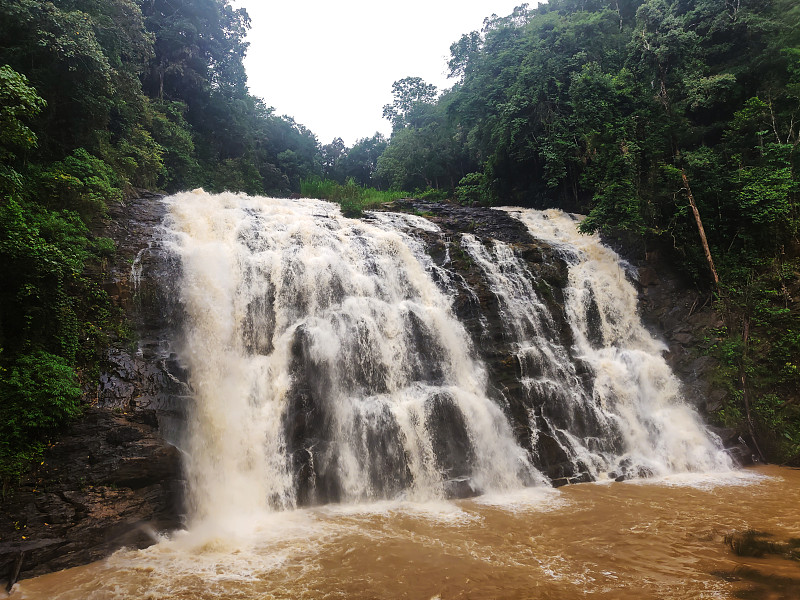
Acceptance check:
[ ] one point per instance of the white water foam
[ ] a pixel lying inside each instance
(538, 499)
(284, 295)
(633, 387)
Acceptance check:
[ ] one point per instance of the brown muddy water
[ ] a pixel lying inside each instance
(640, 539)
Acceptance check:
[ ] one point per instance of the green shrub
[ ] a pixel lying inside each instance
(39, 392)
(42, 254)
(472, 189)
(104, 247)
(81, 182)
(433, 195)
(174, 135)
(18, 102)
(352, 198)
(140, 160)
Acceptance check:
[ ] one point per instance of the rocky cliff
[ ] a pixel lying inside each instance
(112, 479)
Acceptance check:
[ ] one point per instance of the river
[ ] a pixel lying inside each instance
(638, 539)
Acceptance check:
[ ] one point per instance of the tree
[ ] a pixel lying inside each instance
(463, 55)
(361, 161)
(199, 47)
(331, 156)
(19, 102)
(61, 56)
(411, 94)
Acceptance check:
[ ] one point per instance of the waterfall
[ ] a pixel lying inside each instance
(559, 403)
(634, 401)
(327, 364)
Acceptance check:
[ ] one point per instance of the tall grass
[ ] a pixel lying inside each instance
(353, 198)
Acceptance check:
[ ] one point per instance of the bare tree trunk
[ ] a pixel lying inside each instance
(701, 230)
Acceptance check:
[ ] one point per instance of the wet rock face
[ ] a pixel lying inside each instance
(478, 308)
(113, 478)
(109, 481)
(683, 316)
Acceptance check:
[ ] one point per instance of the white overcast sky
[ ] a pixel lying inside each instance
(330, 64)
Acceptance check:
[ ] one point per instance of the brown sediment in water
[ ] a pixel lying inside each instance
(620, 540)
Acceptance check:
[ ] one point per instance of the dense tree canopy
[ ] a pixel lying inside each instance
(97, 98)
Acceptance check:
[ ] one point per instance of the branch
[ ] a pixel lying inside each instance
(774, 124)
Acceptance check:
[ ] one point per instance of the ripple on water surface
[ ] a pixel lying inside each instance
(646, 539)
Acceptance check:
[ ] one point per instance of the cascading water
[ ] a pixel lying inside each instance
(410, 359)
(643, 426)
(325, 363)
(558, 402)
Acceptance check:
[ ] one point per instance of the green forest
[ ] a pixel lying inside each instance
(672, 124)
